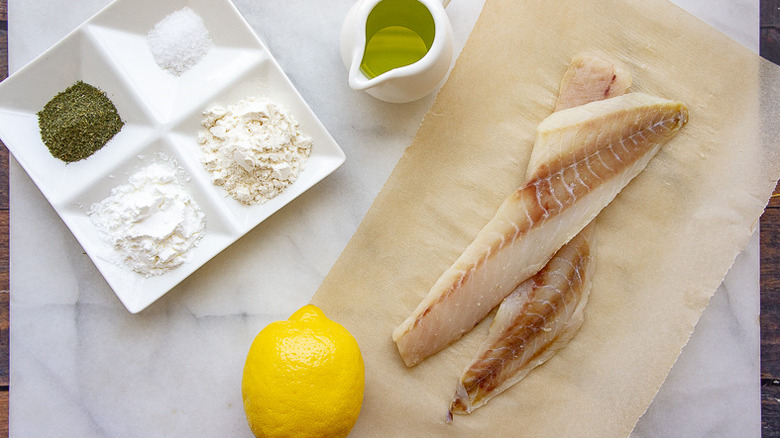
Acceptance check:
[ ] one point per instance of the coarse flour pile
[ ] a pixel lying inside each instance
(151, 222)
(253, 149)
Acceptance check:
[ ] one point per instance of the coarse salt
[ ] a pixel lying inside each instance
(179, 41)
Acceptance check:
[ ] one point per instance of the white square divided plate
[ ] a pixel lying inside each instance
(162, 115)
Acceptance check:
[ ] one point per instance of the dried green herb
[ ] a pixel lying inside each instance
(77, 122)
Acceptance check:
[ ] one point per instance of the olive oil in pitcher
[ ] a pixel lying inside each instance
(398, 33)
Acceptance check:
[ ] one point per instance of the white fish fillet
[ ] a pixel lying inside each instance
(532, 324)
(544, 313)
(615, 139)
(589, 79)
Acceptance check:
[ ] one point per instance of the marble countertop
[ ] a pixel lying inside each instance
(175, 369)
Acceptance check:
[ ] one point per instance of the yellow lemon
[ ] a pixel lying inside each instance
(303, 378)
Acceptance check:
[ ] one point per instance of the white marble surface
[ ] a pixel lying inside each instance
(82, 366)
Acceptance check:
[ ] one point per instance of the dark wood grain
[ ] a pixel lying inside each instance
(770, 321)
(770, 258)
(770, 294)
(4, 244)
(4, 409)
(770, 393)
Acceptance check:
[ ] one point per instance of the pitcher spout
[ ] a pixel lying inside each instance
(357, 80)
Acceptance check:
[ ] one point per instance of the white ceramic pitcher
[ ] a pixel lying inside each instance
(404, 83)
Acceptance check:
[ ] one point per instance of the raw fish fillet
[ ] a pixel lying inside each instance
(598, 148)
(591, 78)
(540, 317)
(588, 79)
(532, 324)
(519, 340)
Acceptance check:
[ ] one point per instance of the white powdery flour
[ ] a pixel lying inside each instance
(151, 222)
(253, 149)
(179, 41)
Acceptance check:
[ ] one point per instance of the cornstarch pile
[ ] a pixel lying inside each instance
(179, 41)
(253, 149)
(151, 222)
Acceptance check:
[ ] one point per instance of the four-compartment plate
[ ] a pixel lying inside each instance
(162, 115)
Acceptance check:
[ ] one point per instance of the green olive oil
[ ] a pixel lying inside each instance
(398, 33)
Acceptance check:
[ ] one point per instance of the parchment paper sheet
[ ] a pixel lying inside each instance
(663, 246)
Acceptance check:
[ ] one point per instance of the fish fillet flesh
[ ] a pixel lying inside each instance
(598, 148)
(589, 79)
(543, 314)
(533, 323)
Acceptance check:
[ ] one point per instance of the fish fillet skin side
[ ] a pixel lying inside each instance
(616, 138)
(533, 323)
